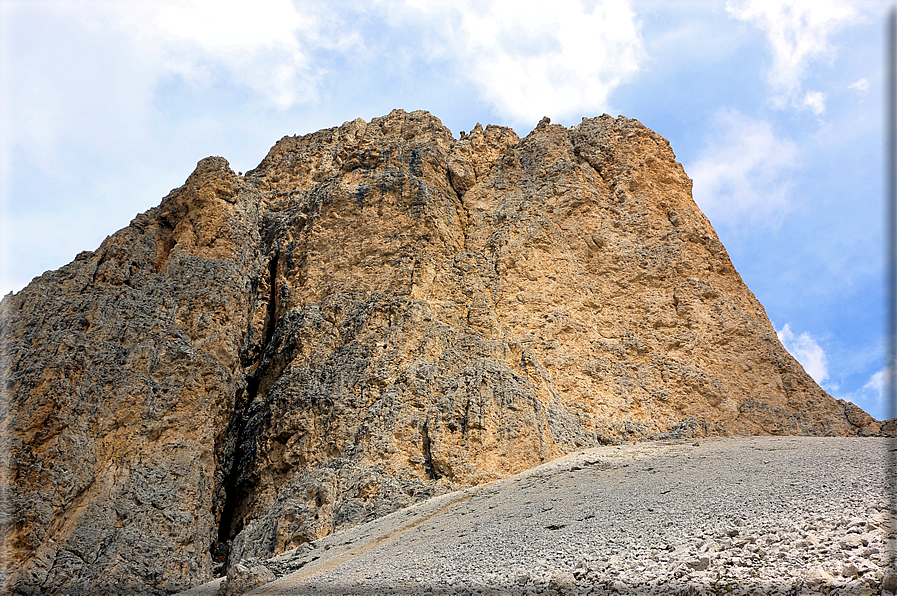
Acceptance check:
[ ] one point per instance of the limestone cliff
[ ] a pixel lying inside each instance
(376, 314)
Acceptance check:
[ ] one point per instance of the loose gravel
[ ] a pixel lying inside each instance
(755, 515)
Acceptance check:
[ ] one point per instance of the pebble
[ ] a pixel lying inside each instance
(852, 541)
(889, 582)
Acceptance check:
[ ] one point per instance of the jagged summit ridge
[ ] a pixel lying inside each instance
(377, 313)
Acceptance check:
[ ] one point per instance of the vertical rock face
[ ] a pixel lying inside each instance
(122, 370)
(376, 314)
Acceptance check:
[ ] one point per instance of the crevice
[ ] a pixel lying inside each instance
(235, 486)
(231, 498)
(271, 318)
(428, 454)
(463, 213)
(165, 240)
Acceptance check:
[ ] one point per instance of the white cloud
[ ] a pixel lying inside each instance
(876, 384)
(104, 72)
(807, 351)
(743, 171)
(217, 25)
(527, 60)
(860, 85)
(798, 32)
(815, 101)
(531, 60)
(265, 48)
(872, 396)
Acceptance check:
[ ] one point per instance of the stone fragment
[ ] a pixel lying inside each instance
(562, 581)
(857, 587)
(856, 522)
(889, 582)
(242, 579)
(879, 520)
(700, 563)
(851, 541)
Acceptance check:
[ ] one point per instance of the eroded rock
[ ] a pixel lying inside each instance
(376, 314)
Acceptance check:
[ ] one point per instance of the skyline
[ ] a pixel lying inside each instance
(773, 108)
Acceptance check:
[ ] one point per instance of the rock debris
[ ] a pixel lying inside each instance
(764, 515)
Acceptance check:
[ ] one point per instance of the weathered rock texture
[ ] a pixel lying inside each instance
(376, 314)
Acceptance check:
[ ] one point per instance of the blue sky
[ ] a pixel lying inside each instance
(774, 109)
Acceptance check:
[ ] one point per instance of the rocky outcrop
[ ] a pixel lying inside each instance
(123, 369)
(376, 314)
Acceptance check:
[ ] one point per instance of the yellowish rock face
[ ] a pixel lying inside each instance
(376, 314)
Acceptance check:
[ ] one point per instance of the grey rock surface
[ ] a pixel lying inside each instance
(122, 371)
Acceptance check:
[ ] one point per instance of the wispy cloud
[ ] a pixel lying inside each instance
(860, 85)
(131, 53)
(526, 61)
(798, 32)
(872, 396)
(530, 61)
(807, 351)
(266, 49)
(743, 171)
(814, 101)
(877, 384)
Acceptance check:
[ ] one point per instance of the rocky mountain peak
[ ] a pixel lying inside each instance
(376, 314)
